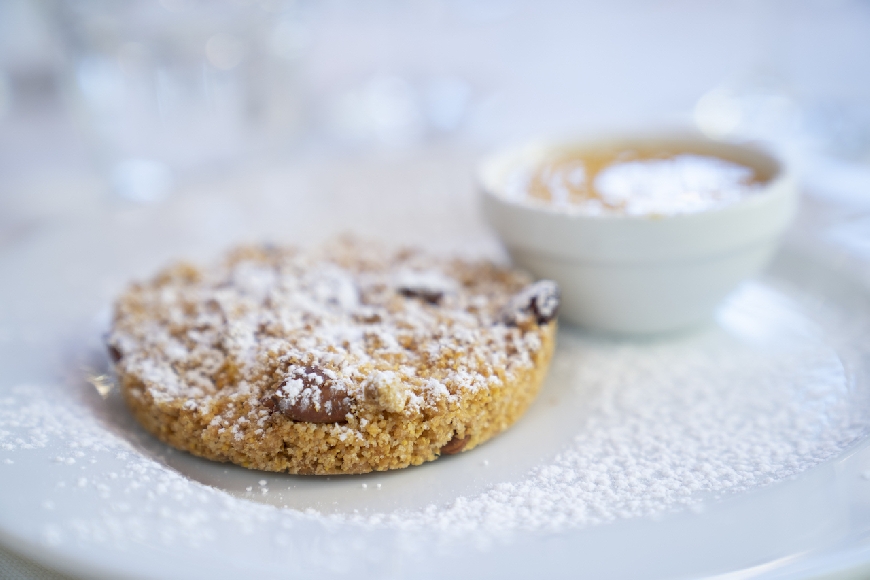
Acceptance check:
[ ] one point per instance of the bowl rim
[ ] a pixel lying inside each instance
(492, 167)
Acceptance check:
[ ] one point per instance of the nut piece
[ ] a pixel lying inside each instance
(311, 396)
(455, 445)
(540, 300)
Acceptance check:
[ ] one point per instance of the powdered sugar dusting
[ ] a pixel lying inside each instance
(353, 311)
(672, 425)
(658, 425)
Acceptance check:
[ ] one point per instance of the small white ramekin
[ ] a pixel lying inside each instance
(641, 274)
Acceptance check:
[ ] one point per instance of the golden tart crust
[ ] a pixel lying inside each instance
(346, 358)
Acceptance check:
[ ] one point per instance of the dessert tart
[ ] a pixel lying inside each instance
(347, 358)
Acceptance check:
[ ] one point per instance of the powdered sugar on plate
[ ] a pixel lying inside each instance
(646, 427)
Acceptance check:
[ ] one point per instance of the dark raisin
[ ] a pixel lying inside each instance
(270, 402)
(545, 301)
(455, 445)
(428, 295)
(540, 300)
(115, 353)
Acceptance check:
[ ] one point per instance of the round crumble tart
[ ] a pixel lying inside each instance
(347, 358)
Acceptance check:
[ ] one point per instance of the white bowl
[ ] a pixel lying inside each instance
(641, 274)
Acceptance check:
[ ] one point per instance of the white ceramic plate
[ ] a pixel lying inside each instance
(738, 449)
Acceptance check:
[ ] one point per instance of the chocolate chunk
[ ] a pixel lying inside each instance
(426, 294)
(319, 400)
(455, 445)
(270, 402)
(540, 300)
(114, 353)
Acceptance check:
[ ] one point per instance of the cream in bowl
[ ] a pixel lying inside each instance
(643, 234)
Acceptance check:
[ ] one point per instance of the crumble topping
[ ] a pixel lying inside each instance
(314, 333)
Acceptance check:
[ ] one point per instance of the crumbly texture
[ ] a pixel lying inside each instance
(347, 358)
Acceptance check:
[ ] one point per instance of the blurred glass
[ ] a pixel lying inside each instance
(756, 106)
(764, 108)
(167, 87)
(825, 140)
(393, 112)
